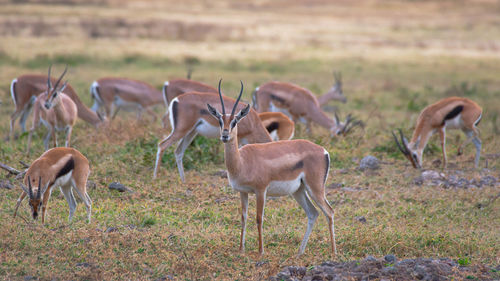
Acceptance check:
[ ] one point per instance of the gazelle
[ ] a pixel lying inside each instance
(189, 117)
(60, 166)
(278, 125)
(335, 92)
(174, 88)
(114, 94)
(299, 104)
(448, 113)
(296, 167)
(24, 90)
(56, 110)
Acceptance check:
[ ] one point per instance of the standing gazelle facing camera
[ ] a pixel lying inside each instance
(60, 166)
(448, 113)
(295, 167)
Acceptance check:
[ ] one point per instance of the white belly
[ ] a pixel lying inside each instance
(126, 105)
(275, 188)
(274, 135)
(455, 123)
(207, 130)
(274, 108)
(64, 180)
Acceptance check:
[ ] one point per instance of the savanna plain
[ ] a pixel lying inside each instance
(396, 57)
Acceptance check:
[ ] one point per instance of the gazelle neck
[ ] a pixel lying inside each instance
(232, 155)
(322, 119)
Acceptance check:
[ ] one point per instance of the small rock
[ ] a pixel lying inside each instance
(83, 264)
(334, 185)
(120, 187)
(261, 263)
(111, 229)
(390, 258)
(29, 278)
(420, 271)
(361, 219)
(369, 163)
(418, 181)
(370, 258)
(488, 181)
(431, 175)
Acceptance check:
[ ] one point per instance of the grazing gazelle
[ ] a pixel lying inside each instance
(278, 125)
(448, 113)
(189, 117)
(174, 88)
(114, 94)
(56, 110)
(300, 104)
(60, 166)
(24, 90)
(295, 167)
(335, 92)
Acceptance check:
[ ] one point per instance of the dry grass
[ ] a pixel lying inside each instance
(391, 55)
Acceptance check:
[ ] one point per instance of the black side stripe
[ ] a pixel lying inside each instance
(452, 114)
(299, 165)
(278, 99)
(68, 167)
(273, 126)
(174, 113)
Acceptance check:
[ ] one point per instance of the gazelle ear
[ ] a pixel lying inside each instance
(244, 112)
(214, 112)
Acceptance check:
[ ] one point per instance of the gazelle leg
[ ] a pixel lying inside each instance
(21, 198)
(244, 215)
(442, 136)
(25, 113)
(13, 119)
(308, 127)
(114, 111)
(68, 136)
(47, 137)
(469, 134)
(70, 198)
(79, 187)
(164, 144)
(477, 143)
(319, 197)
(54, 136)
(46, 197)
(261, 202)
(179, 151)
(311, 212)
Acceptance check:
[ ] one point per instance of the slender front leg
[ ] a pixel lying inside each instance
(442, 135)
(244, 213)
(477, 143)
(54, 136)
(181, 148)
(21, 198)
(46, 140)
(46, 197)
(68, 136)
(261, 201)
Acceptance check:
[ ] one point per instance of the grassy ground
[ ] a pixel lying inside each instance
(191, 230)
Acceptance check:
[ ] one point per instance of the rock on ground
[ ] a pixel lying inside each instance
(369, 163)
(388, 268)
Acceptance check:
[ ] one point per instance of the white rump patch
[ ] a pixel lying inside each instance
(170, 114)
(12, 93)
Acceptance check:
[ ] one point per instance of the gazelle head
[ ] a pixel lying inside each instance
(343, 128)
(53, 92)
(409, 151)
(335, 92)
(228, 123)
(35, 199)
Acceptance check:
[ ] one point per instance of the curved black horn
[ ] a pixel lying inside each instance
(336, 118)
(221, 100)
(61, 77)
(30, 193)
(398, 144)
(238, 99)
(39, 192)
(49, 84)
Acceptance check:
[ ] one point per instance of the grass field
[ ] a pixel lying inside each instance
(396, 57)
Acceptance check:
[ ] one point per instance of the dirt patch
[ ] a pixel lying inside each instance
(389, 268)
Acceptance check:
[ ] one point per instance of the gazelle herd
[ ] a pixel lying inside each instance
(260, 156)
